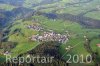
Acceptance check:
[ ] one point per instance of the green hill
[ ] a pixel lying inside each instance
(50, 15)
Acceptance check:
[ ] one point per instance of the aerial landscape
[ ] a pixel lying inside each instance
(49, 32)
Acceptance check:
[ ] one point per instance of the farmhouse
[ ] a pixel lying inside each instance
(98, 45)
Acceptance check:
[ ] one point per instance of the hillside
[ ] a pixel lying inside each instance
(73, 26)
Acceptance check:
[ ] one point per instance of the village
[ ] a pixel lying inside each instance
(47, 35)
(50, 36)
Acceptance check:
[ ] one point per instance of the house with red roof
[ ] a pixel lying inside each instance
(98, 45)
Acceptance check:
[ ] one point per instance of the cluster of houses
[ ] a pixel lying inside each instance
(35, 27)
(50, 36)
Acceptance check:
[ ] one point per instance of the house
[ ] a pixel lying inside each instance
(98, 45)
(7, 53)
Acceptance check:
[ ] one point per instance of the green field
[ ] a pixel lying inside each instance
(6, 7)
